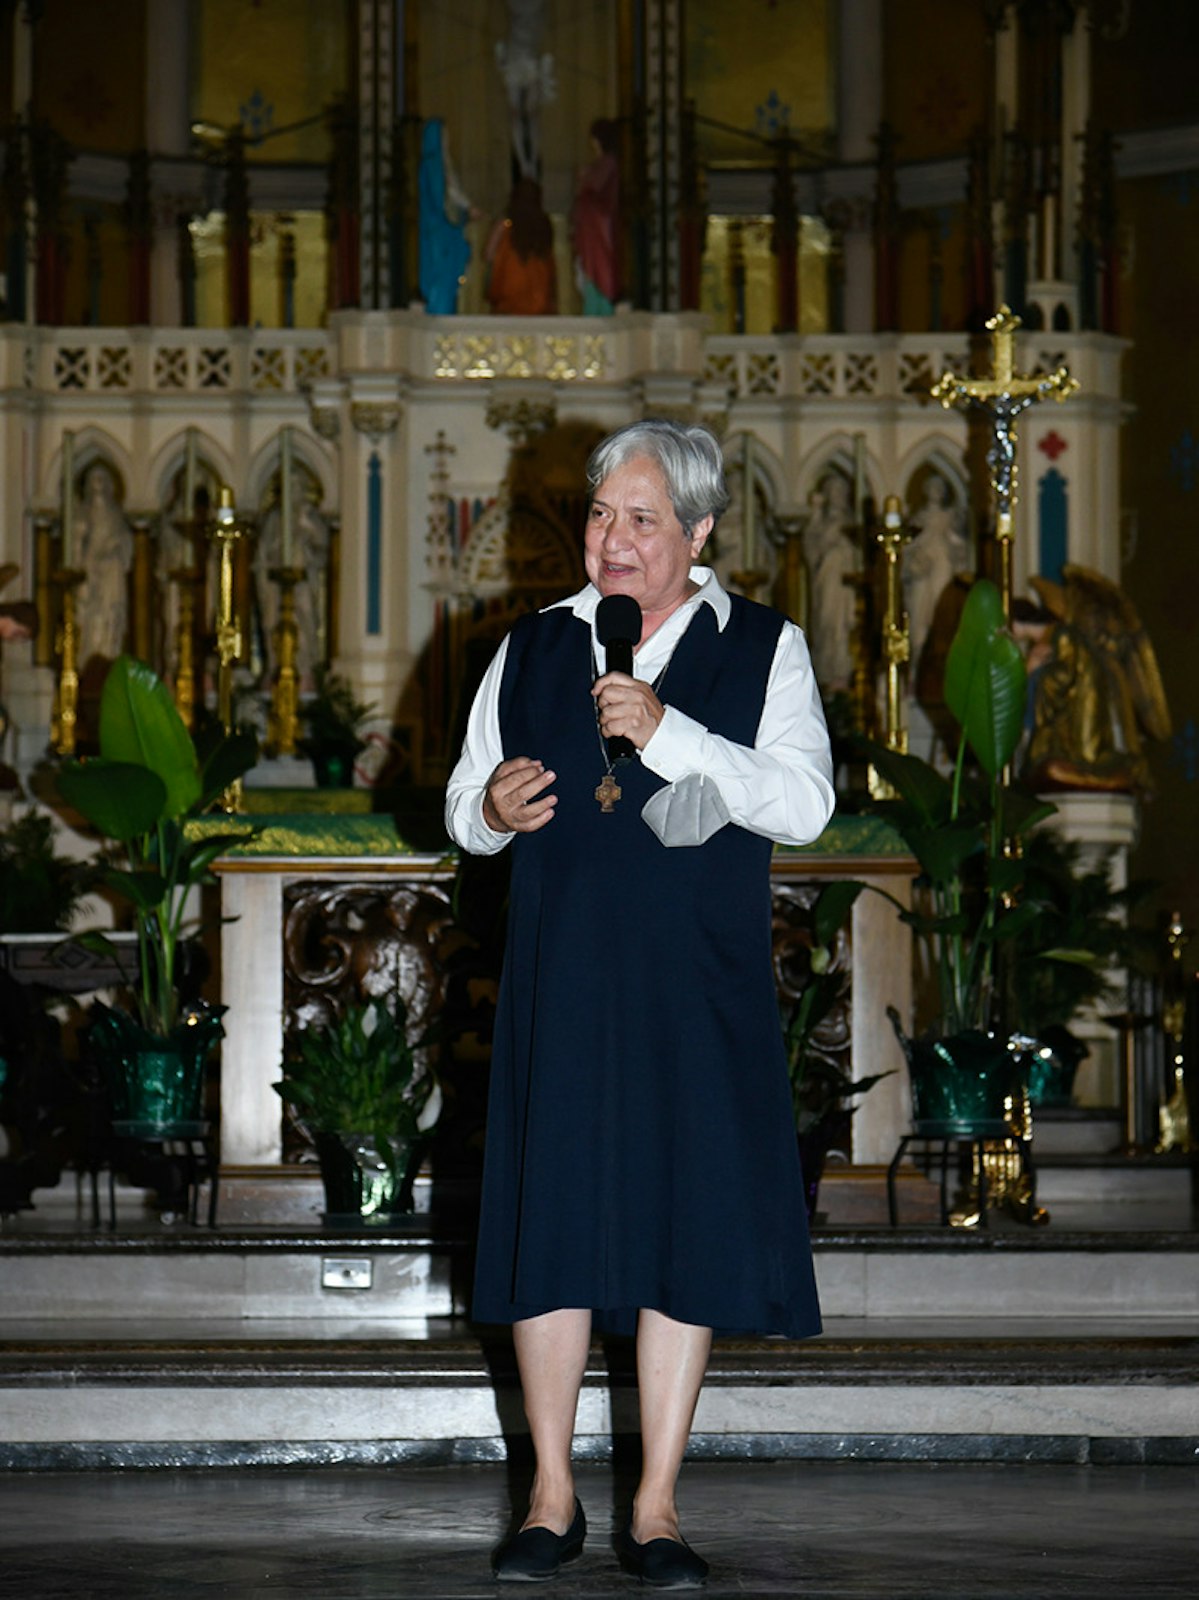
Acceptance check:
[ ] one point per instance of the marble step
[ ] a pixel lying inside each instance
(1115, 1180)
(1076, 1130)
(1016, 1390)
(421, 1268)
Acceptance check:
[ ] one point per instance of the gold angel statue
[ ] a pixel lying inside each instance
(1097, 694)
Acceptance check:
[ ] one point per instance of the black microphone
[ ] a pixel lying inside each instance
(618, 629)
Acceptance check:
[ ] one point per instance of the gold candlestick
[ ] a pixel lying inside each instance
(65, 712)
(1174, 1120)
(189, 581)
(790, 594)
(227, 530)
(897, 638)
(144, 608)
(283, 721)
(185, 581)
(1126, 1023)
(43, 588)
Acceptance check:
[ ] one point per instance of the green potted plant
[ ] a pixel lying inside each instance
(964, 830)
(149, 780)
(334, 719)
(40, 890)
(821, 1089)
(362, 1091)
(1064, 962)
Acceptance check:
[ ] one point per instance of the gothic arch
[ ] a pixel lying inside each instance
(940, 454)
(171, 457)
(837, 452)
(89, 445)
(264, 465)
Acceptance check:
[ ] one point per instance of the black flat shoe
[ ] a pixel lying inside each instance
(535, 1554)
(662, 1563)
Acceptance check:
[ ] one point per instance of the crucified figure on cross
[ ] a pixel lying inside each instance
(1003, 396)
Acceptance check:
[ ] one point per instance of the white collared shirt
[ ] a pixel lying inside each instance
(782, 788)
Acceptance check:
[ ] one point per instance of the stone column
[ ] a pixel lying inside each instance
(364, 413)
(664, 111)
(166, 135)
(859, 112)
(377, 36)
(1076, 112)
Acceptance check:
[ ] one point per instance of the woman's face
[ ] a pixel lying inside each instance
(635, 544)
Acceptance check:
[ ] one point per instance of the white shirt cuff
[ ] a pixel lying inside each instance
(676, 747)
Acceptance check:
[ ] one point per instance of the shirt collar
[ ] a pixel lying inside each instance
(584, 603)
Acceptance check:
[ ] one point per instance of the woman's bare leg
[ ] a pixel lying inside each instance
(671, 1360)
(551, 1352)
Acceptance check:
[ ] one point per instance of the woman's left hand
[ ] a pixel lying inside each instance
(628, 708)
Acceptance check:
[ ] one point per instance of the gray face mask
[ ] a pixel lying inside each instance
(686, 812)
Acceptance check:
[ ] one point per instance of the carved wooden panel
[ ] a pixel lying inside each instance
(833, 1039)
(352, 942)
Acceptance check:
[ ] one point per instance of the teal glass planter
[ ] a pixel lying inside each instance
(155, 1084)
(333, 766)
(1053, 1063)
(366, 1180)
(968, 1085)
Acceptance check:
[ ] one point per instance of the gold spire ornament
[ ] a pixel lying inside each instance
(64, 713)
(284, 717)
(189, 588)
(1002, 397)
(184, 579)
(897, 633)
(1174, 1120)
(228, 529)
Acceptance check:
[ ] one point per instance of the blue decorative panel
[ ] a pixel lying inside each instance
(1184, 751)
(1184, 460)
(374, 544)
(1053, 517)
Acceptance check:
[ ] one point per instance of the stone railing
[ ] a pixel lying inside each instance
(620, 350)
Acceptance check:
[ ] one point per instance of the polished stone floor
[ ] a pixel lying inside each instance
(850, 1529)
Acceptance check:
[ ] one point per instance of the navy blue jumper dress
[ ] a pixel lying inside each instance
(641, 1149)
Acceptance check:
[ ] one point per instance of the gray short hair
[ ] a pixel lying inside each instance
(689, 458)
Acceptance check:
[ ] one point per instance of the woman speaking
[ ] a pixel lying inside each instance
(641, 1164)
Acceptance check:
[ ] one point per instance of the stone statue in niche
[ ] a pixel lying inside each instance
(936, 553)
(444, 213)
(521, 275)
(528, 75)
(104, 542)
(594, 222)
(829, 546)
(308, 549)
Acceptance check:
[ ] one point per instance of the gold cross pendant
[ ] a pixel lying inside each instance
(608, 793)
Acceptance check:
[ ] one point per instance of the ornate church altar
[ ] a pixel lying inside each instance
(312, 904)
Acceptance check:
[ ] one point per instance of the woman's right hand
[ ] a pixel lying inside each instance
(515, 800)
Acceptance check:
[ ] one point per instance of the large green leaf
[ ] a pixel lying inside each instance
(943, 852)
(229, 758)
(200, 854)
(986, 679)
(145, 889)
(832, 908)
(120, 799)
(919, 785)
(140, 724)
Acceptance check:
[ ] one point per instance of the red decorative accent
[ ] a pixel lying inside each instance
(1053, 444)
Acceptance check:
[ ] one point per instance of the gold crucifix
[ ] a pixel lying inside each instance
(1003, 396)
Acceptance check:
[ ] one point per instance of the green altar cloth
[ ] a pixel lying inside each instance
(376, 835)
